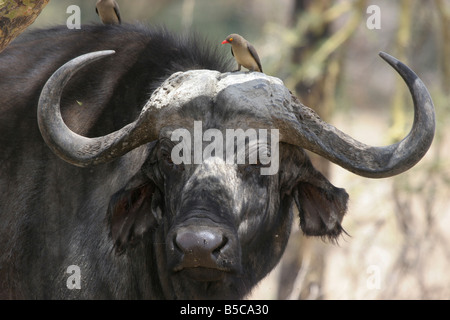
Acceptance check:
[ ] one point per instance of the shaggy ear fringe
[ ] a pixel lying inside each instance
(321, 210)
(333, 239)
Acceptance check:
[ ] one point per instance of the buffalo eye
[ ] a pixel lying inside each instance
(251, 168)
(167, 162)
(167, 158)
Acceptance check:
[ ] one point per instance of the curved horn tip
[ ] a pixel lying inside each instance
(388, 58)
(392, 61)
(106, 52)
(88, 58)
(99, 54)
(405, 72)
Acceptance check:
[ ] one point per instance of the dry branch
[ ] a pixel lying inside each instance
(16, 16)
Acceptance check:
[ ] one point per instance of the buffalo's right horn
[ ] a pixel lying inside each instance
(77, 149)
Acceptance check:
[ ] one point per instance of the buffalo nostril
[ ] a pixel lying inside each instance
(217, 250)
(201, 247)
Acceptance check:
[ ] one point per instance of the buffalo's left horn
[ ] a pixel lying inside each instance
(302, 127)
(72, 147)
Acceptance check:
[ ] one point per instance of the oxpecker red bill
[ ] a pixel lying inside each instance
(108, 11)
(244, 53)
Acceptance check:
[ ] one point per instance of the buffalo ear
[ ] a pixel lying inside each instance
(321, 207)
(131, 214)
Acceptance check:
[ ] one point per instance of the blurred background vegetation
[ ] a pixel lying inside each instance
(325, 51)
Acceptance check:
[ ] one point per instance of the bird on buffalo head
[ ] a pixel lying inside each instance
(108, 11)
(244, 53)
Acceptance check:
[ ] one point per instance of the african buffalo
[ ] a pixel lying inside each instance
(89, 184)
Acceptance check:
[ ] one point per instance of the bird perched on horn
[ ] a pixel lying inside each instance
(244, 53)
(108, 11)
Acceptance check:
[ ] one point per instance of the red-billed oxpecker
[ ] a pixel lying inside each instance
(108, 11)
(244, 53)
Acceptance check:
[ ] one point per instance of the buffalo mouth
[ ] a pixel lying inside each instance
(202, 274)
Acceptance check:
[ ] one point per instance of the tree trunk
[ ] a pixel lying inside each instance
(16, 16)
(316, 79)
(302, 266)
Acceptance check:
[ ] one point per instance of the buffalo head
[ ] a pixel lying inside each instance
(217, 226)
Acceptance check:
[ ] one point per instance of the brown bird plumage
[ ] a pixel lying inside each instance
(244, 52)
(108, 11)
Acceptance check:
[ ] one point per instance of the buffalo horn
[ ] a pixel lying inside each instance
(77, 149)
(302, 127)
